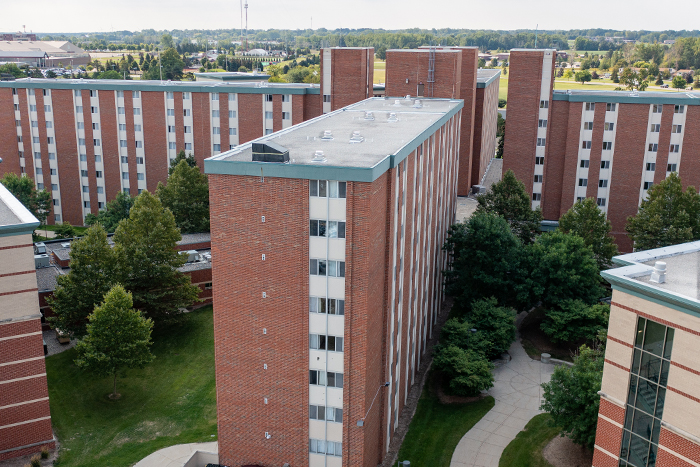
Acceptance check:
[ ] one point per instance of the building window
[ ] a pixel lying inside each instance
(125, 175)
(285, 97)
(171, 95)
(16, 106)
(330, 379)
(37, 155)
(600, 202)
(39, 171)
(121, 111)
(139, 160)
(54, 187)
(36, 139)
(331, 414)
(215, 96)
(268, 97)
(544, 104)
(217, 147)
(604, 164)
(83, 173)
(647, 393)
(580, 199)
(19, 139)
(539, 160)
(335, 306)
(542, 123)
(322, 342)
(587, 125)
(49, 140)
(171, 129)
(678, 109)
(331, 448)
(18, 123)
(321, 228)
(186, 112)
(231, 97)
(32, 108)
(125, 160)
(85, 188)
(188, 146)
(610, 107)
(208, 285)
(95, 142)
(285, 116)
(185, 95)
(584, 163)
(232, 131)
(215, 113)
(172, 145)
(34, 124)
(137, 111)
(57, 218)
(655, 128)
(170, 112)
(590, 105)
(93, 93)
(603, 183)
(651, 166)
(98, 174)
(330, 268)
(216, 130)
(53, 172)
(671, 168)
(39, 186)
(100, 190)
(86, 204)
(541, 141)
(83, 158)
(653, 147)
(607, 145)
(126, 190)
(536, 196)
(100, 205)
(231, 114)
(657, 108)
(268, 131)
(674, 148)
(140, 176)
(137, 127)
(677, 129)
(327, 188)
(648, 185)
(585, 145)
(538, 179)
(93, 110)
(122, 143)
(188, 129)
(119, 94)
(582, 182)
(139, 144)
(609, 126)
(268, 115)
(55, 201)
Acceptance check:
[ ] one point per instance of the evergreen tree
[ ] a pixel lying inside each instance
(118, 338)
(668, 216)
(38, 202)
(145, 246)
(588, 222)
(92, 273)
(187, 196)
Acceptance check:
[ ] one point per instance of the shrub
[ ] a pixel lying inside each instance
(469, 371)
(497, 324)
(35, 461)
(573, 320)
(502, 103)
(44, 452)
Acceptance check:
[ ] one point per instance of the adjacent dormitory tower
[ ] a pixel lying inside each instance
(347, 76)
(328, 279)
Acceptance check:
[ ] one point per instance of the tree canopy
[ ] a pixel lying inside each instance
(114, 211)
(171, 63)
(587, 221)
(38, 202)
(186, 195)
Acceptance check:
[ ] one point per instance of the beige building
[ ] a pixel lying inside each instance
(650, 396)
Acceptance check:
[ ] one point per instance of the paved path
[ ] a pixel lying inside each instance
(517, 392)
(178, 455)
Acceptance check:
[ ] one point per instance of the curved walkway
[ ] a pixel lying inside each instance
(178, 455)
(518, 393)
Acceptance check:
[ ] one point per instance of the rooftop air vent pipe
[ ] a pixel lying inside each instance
(369, 115)
(327, 135)
(318, 157)
(397, 103)
(392, 117)
(356, 138)
(659, 273)
(418, 104)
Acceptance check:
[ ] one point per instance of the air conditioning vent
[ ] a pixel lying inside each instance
(392, 117)
(318, 157)
(356, 137)
(270, 152)
(327, 135)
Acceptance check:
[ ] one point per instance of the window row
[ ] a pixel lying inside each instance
(323, 342)
(327, 188)
(330, 379)
(609, 126)
(331, 229)
(330, 268)
(86, 189)
(320, 412)
(332, 306)
(331, 448)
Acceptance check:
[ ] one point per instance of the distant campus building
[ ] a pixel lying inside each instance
(611, 146)
(650, 395)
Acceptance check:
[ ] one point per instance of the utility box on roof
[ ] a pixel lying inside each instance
(269, 152)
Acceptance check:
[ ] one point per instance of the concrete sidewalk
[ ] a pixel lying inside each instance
(178, 455)
(518, 394)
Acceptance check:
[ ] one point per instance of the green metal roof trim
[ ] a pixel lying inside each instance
(625, 97)
(327, 172)
(489, 81)
(135, 85)
(20, 229)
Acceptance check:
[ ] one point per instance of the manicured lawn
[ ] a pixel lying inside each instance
(78, 230)
(526, 449)
(437, 428)
(171, 401)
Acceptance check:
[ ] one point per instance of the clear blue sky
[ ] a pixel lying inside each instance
(91, 15)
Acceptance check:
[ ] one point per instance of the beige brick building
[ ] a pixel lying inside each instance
(650, 397)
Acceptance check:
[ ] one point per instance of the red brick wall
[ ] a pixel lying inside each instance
(110, 144)
(239, 278)
(524, 87)
(352, 75)
(155, 143)
(67, 156)
(596, 151)
(627, 169)
(201, 131)
(664, 143)
(555, 159)
(485, 128)
(89, 150)
(608, 436)
(679, 444)
(250, 117)
(298, 107)
(8, 135)
(312, 106)
(600, 459)
(689, 168)
(413, 65)
(468, 91)
(276, 112)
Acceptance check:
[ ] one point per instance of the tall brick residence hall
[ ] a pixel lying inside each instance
(327, 280)
(650, 396)
(25, 420)
(608, 145)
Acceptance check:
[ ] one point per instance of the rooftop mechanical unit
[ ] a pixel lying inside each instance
(270, 152)
(41, 261)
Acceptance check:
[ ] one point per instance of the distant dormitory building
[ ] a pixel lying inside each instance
(611, 146)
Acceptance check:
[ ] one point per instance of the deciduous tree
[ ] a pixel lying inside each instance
(574, 320)
(186, 194)
(115, 211)
(469, 372)
(38, 202)
(587, 221)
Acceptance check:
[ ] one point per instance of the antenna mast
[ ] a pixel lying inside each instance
(246, 25)
(241, 23)
(536, 26)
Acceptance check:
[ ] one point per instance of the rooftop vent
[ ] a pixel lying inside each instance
(659, 273)
(408, 97)
(270, 152)
(65, 245)
(397, 103)
(327, 135)
(418, 104)
(369, 115)
(392, 117)
(356, 138)
(39, 248)
(318, 157)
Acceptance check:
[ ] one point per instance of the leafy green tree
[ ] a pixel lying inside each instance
(166, 41)
(187, 196)
(614, 76)
(678, 82)
(566, 268)
(509, 199)
(574, 320)
(588, 222)
(461, 333)
(668, 216)
(145, 246)
(38, 202)
(13, 70)
(92, 273)
(64, 230)
(114, 211)
(191, 161)
(118, 338)
(659, 80)
(496, 322)
(583, 76)
(571, 397)
(469, 372)
(171, 63)
(568, 74)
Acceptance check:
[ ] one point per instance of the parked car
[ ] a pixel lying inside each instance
(664, 86)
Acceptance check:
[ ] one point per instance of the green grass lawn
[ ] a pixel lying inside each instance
(78, 230)
(437, 428)
(171, 401)
(526, 449)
